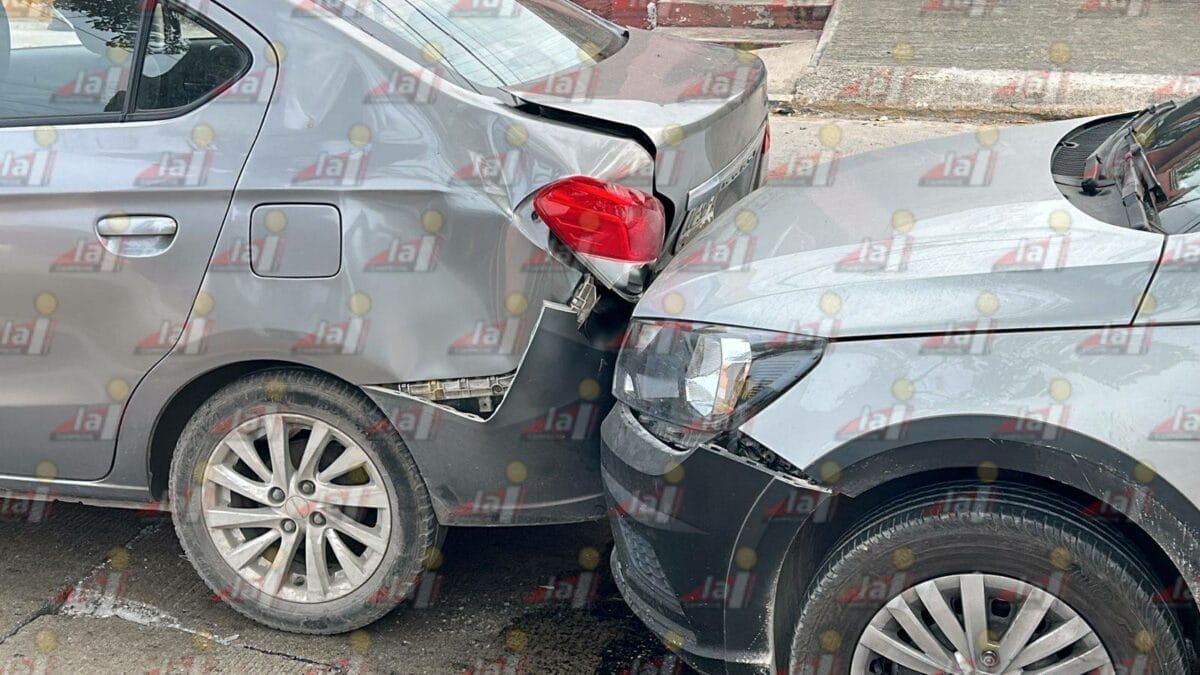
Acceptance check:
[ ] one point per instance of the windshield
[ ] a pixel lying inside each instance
(493, 43)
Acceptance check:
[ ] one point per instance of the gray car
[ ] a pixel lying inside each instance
(937, 414)
(325, 277)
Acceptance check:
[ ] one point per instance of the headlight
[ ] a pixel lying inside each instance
(693, 381)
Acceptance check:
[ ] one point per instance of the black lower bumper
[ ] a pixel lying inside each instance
(701, 539)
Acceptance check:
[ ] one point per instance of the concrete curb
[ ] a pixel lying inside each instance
(1053, 93)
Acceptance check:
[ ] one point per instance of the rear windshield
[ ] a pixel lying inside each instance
(493, 43)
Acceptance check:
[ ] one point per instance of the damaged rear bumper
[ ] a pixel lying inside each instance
(536, 458)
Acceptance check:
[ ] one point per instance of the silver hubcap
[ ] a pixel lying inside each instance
(979, 623)
(296, 508)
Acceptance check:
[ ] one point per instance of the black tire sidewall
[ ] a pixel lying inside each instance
(413, 528)
(1080, 565)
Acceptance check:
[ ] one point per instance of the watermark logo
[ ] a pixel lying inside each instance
(1113, 8)
(490, 169)
(803, 505)
(887, 423)
(95, 422)
(891, 85)
(1179, 86)
(575, 422)
(97, 87)
(344, 338)
(419, 254)
(1182, 425)
(724, 84)
(1040, 87)
(265, 254)
(1116, 341)
(512, 664)
(87, 256)
(966, 169)
(971, 8)
(183, 169)
(1039, 423)
(817, 169)
(30, 337)
(662, 664)
(715, 255)
(576, 86)
(967, 338)
(732, 591)
(341, 8)
(1180, 254)
(1040, 253)
(486, 8)
(576, 591)
(970, 503)
(31, 506)
(887, 255)
(413, 420)
(191, 335)
(879, 589)
(500, 505)
(345, 168)
(406, 86)
(33, 168)
(489, 337)
(655, 506)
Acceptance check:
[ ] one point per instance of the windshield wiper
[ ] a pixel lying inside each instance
(1093, 174)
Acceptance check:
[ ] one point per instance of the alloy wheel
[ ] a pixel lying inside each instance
(979, 624)
(296, 507)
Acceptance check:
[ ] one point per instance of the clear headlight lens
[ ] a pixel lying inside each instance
(693, 381)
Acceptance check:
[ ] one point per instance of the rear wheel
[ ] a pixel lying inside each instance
(298, 504)
(1017, 584)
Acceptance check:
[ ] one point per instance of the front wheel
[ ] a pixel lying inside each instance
(298, 505)
(1017, 584)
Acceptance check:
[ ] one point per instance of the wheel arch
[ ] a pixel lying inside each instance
(871, 471)
(179, 408)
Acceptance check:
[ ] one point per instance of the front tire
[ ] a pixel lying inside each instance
(1016, 583)
(298, 504)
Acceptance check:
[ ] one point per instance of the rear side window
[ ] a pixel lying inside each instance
(66, 57)
(186, 61)
(493, 43)
(77, 58)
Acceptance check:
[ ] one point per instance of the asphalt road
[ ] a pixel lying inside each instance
(95, 590)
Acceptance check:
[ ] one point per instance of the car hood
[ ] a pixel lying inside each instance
(954, 235)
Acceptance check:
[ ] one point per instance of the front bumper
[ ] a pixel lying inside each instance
(701, 539)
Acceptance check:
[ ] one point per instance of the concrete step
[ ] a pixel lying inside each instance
(743, 38)
(754, 14)
(788, 14)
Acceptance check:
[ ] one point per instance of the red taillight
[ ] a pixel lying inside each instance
(596, 218)
(767, 138)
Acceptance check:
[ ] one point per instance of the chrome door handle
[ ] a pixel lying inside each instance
(137, 226)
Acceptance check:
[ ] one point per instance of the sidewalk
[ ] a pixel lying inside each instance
(1039, 58)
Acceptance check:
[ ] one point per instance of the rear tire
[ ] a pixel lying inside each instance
(291, 462)
(1012, 546)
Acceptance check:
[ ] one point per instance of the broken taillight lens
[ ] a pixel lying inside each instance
(601, 219)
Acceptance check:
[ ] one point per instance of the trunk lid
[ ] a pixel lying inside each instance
(700, 108)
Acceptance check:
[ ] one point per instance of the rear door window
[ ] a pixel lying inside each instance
(63, 58)
(493, 43)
